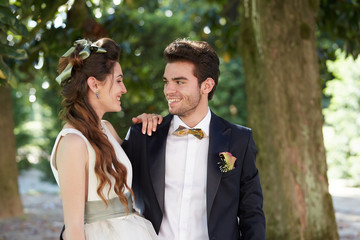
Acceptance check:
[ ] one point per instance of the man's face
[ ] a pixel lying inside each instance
(181, 88)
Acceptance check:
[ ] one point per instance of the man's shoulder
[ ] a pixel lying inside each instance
(137, 128)
(233, 126)
(238, 133)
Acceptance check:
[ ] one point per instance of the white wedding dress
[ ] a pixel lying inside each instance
(110, 222)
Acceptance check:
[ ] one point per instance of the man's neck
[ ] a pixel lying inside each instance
(195, 118)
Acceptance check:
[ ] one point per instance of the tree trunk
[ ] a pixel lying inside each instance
(278, 48)
(10, 204)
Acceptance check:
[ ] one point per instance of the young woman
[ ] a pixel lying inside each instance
(92, 170)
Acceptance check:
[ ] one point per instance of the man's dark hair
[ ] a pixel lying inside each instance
(201, 54)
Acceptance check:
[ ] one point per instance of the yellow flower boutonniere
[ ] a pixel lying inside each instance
(227, 161)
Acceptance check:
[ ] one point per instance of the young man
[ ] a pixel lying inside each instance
(180, 182)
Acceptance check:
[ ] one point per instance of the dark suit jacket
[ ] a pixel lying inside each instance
(234, 199)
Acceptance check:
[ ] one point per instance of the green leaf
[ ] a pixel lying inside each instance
(6, 16)
(20, 29)
(13, 52)
(9, 20)
(2, 75)
(6, 76)
(4, 3)
(4, 68)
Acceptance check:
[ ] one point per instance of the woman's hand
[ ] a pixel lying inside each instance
(149, 122)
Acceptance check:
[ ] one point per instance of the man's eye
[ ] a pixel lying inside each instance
(180, 82)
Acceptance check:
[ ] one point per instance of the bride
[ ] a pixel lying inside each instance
(91, 168)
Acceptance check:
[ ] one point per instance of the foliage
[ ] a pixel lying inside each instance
(45, 168)
(36, 124)
(337, 28)
(24, 164)
(143, 29)
(229, 99)
(342, 119)
(9, 24)
(143, 36)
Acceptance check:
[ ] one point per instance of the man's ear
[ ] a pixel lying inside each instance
(207, 85)
(93, 84)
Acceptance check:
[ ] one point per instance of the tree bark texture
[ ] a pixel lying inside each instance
(278, 49)
(10, 203)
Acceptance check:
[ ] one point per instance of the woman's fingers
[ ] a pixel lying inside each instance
(149, 122)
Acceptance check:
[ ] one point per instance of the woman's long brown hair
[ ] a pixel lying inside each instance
(78, 112)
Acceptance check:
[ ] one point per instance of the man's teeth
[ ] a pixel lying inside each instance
(118, 98)
(173, 100)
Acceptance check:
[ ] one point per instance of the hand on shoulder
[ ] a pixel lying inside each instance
(149, 122)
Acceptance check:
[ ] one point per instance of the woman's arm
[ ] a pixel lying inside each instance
(71, 160)
(149, 124)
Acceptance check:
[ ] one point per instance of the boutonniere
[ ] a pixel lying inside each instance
(227, 161)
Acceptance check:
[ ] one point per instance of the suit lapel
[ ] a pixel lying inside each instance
(156, 155)
(219, 141)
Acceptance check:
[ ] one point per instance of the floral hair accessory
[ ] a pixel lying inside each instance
(227, 161)
(88, 47)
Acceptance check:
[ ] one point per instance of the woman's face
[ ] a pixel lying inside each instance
(112, 90)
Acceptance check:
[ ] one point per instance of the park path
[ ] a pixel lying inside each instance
(346, 202)
(43, 219)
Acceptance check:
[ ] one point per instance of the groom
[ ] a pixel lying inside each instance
(181, 182)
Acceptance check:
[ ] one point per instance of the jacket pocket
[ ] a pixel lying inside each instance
(235, 171)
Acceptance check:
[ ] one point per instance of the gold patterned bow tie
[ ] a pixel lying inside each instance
(183, 131)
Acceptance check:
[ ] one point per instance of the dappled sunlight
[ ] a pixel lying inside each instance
(342, 119)
(253, 41)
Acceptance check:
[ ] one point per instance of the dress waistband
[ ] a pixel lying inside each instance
(97, 210)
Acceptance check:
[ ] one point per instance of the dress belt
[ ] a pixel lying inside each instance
(97, 210)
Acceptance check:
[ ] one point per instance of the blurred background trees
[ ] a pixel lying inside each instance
(342, 119)
(34, 34)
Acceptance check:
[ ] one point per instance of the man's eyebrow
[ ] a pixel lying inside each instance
(120, 75)
(179, 78)
(176, 78)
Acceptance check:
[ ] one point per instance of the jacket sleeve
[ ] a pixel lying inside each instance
(129, 143)
(250, 211)
(126, 145)
(131, 146)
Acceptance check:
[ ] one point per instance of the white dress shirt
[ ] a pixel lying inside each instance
(185, 184)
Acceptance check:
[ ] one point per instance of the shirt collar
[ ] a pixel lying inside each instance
(204, 124)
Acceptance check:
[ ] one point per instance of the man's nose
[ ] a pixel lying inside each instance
(169, 88)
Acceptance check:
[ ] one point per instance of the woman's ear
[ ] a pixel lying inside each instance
(93, 84)
(207, 85)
